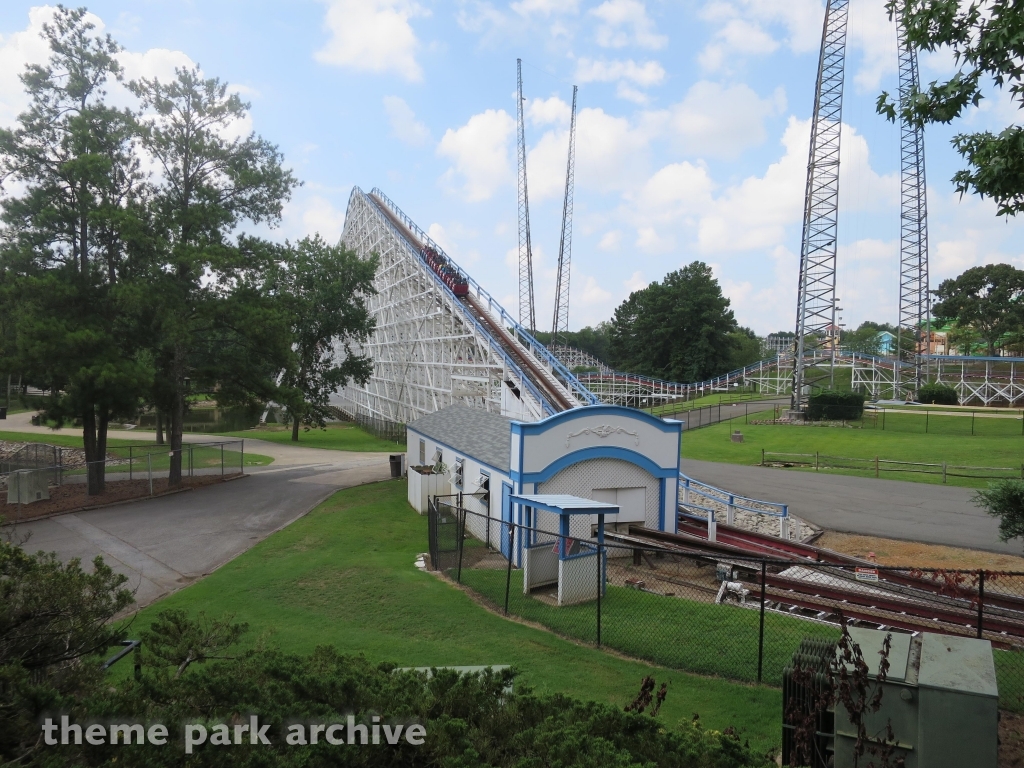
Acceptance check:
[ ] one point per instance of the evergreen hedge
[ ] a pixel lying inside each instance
(831, 404)
(938, 394)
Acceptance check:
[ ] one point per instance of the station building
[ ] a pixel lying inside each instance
(605, 453)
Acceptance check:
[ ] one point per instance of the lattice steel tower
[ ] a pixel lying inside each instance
(560, 321)
(527, 309)
(915, 302)
(816, 291)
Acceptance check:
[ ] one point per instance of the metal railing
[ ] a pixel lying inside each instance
(709, 502)
(732, 616)
(877, 465)
(130, 472)
(538, 350)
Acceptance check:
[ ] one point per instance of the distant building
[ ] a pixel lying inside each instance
(778, 343)
(886, 343)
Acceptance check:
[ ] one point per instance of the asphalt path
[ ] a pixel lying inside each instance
(935, 514)
(168, 542)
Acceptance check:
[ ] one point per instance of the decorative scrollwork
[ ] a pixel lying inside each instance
(603, 431)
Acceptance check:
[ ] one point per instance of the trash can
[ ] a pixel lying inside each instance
(396, 465)
(3, 411)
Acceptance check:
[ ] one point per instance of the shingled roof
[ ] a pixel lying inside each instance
(479, 434)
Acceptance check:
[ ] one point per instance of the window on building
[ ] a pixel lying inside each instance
(423, 452)
(457, 473)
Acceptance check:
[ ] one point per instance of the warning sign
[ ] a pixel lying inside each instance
(866, 574)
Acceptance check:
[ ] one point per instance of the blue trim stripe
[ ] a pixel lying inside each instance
(594, 452)
(539, 427)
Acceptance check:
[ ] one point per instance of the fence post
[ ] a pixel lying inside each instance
(760, 631)
(762, 457)
(599, 585)
(926, 414)
(149, 469)
(815, 461)
(943, 473)
(981, 599)
(511, 552)
(129, 463)
(972, 423)
(137, 658)
(222, 459)
(462, 544)
(876, 466)
(883, 419)
(241, 461)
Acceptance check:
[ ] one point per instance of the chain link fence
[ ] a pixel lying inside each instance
(48, 479)
(740, 618)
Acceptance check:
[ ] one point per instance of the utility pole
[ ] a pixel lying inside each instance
(560, 321)
(915, 301)
(527, 311)
(816, 289)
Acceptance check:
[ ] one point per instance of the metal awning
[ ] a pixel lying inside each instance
(564, 504)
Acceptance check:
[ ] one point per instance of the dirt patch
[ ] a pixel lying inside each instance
(72, 497)
(896, 552)
(1011, 740)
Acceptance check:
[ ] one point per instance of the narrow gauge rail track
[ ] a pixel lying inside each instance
(882, 604)
(753, 544)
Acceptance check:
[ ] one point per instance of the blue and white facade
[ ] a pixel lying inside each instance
(606, 453)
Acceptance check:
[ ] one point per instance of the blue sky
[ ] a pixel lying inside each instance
(692, 133)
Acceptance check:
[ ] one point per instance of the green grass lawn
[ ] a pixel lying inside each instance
(344, 575)
(713, 444)
(683, 634)
(718, 398)
(339, 437)
(201, 456)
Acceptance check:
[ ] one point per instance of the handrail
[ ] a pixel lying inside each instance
(546, 407)
(571, 382)
(730, 499)
(725, 378)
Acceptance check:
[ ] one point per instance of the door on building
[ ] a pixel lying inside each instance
(506, 517)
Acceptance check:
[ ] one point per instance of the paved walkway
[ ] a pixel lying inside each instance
(936, 514)
(166, 543)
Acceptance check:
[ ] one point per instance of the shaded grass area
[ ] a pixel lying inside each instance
(339, 437)
(713, 444)
(683, 634)
(344, 575)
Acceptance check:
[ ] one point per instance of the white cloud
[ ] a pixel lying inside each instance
(592, 293)
(759, 27)
(722, 121)
(611, 240)
(158, 64)
(311, 214)
(479, 152)
(647, 74)
(551, 111)
(636, 282)
(545, 7)
(625, 22)
(373, 36)
(404, 125)
(737, 36)
(21, 49)
(624, 73)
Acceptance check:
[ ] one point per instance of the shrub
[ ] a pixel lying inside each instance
(938, 394)
(830, 404)
(1004, 499)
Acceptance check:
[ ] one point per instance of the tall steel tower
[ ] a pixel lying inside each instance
(816, 291)
(560, 322)
(527, 310)
(915, 302)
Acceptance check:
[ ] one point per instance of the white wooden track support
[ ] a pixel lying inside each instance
(431, 349)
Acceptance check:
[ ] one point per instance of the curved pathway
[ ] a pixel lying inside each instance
(166, 543)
